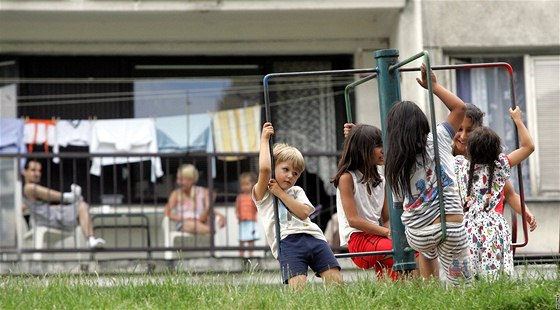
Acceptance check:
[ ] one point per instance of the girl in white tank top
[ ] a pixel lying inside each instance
(361, 200)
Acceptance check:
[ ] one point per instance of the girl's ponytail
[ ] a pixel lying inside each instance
(469, 186)
(488, 196)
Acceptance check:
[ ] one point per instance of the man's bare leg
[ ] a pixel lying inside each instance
(85, 219)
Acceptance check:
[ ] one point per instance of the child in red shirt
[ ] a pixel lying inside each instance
(246, 212)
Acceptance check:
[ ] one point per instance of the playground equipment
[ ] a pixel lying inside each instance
(387, 73)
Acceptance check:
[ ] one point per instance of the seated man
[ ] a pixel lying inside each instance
(40, 202)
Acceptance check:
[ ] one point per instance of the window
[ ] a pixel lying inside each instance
(490, 90)
(537, 91)
(544, 114)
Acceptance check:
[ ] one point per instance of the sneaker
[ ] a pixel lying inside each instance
(76, 190)
(95, 243)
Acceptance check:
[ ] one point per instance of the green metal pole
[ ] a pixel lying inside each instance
(389, 93)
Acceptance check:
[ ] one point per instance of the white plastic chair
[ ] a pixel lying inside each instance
(170, 234)
(42, 234)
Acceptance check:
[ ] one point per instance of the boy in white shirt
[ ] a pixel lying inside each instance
(302, 243)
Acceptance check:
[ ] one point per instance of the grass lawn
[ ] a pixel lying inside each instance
(211, 291)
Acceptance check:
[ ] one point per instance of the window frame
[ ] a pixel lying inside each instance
(533, 122)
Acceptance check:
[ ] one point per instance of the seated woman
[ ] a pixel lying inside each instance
(189, 205)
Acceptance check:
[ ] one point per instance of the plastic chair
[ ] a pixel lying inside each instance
(170, 234)
(43, 234)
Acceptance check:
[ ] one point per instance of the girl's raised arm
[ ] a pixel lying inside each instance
(526, 142)
(455, 105)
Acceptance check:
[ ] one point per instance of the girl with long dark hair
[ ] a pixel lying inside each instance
(361, 202)
(410, 170)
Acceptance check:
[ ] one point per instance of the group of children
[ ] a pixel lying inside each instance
(474, 173)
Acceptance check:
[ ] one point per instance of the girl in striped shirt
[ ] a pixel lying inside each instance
(410, 169)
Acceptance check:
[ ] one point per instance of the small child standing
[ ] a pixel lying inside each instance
(410, 169)
(302, 243)
(482, 176)
(246, 212)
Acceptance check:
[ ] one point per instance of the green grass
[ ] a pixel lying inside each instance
(184, 291)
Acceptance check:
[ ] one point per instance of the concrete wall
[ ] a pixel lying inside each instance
(546, 238)
(366, 94)
(408, 39)
(185, 31)
(491, 25)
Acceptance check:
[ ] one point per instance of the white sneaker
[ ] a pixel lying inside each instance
(95, 243)
(77, 191)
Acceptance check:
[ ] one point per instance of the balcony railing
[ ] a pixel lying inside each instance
(127, 209)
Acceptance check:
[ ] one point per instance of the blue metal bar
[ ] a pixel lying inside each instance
(270, 148)
(266, 80)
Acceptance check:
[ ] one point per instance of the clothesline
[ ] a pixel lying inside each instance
(326, 94)
(191, 92)
(238, 78)
(228, 131)
(255, 89)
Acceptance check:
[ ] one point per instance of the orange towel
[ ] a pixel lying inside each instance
(38, 131)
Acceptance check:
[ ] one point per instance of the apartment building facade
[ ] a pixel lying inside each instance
(127, 49)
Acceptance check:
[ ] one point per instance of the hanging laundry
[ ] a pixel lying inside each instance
(71, 132)
(237, 130)
(11, 137)
(185, 133)
(39, 131)
(124, 136)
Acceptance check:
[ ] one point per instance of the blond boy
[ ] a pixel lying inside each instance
(302, 244)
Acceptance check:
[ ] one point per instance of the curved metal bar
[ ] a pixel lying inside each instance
(514, 243)
(270, 148)
(347, 90)
(266, 80)
(437, 162)
(312, 73)
(464, 66)
(425, 54)
(436, 148)
(359, 254)
(513, 229)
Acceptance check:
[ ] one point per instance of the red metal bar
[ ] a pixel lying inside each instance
(508, 67)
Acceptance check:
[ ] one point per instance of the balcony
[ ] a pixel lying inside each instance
(129, 213)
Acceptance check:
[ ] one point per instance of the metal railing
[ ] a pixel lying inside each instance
(127, 209)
